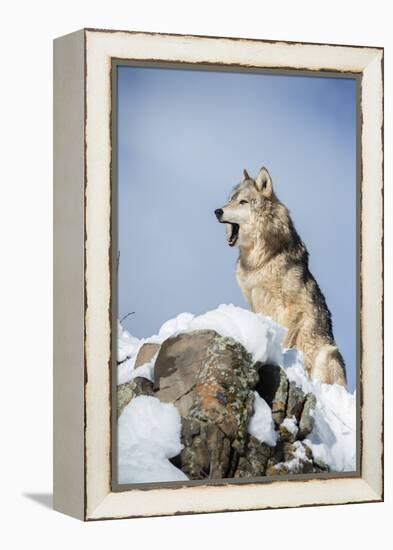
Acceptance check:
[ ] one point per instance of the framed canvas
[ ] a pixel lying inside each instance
(191, 376)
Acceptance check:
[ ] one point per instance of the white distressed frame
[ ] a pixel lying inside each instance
(98, 500)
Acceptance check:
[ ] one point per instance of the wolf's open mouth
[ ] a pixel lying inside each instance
(232, 238)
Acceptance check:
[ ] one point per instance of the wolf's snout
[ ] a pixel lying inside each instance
(219, 212)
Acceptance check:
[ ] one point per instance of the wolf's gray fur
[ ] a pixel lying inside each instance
(273, 274)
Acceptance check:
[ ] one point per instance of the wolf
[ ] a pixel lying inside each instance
(273, 274)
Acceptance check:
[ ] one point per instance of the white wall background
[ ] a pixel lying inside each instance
(26, 308)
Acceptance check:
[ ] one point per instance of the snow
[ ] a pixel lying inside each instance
(148, 435)
(293, 466)
(261, 424)
(126, 344)
(260, 335)
(290, 425)
(126, 371)
(174, 326)
(333, 439)
(299, 457)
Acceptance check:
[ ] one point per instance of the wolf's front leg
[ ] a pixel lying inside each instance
(245, 289)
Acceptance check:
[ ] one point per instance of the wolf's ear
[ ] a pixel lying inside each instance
(264, 183)
(245, 175)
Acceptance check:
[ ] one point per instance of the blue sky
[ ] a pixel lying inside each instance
(184, 137)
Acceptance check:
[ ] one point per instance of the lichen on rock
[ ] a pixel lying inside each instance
(127, 391)
(211, 383)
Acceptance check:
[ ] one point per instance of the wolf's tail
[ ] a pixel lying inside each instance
(329, 366)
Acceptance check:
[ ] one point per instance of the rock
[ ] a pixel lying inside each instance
(307, 420)
(273, 387)
(177, 366)
(295, 459)
(288, 429)
(295, 402)
(255, 459)
(146, 354)
(129, 390)
(210, 379)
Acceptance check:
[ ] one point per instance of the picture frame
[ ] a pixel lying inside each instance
(84, 284)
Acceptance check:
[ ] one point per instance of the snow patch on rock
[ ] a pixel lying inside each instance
(261, 424)
(148, 435)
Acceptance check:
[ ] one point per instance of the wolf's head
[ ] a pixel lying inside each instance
(247, 205)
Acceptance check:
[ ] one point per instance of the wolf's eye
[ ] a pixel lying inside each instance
(243, 202)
